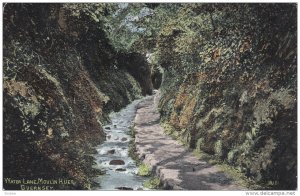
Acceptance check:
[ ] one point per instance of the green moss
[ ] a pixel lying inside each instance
(132, 153)
(136, 88)
(218, 148)
(239, 177)
(169, 130)
(144, 170)
(231, 171)
(199, 143)
(132, 132)
(231, 156)
(153, 183)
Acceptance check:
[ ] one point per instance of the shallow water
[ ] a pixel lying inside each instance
(123, 175)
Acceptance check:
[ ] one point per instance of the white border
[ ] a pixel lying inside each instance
(125, 193)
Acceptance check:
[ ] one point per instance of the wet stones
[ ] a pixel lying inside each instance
(113, 156)
(111, 151)
(124, 188)
(117, 162)
(120, 169)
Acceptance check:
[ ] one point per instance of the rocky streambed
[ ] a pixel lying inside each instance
(113, 156)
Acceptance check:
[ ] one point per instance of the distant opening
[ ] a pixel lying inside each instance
(156, 77)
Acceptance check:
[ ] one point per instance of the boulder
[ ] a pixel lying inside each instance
(117, 162)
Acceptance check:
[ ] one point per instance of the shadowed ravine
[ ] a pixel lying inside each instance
(224, 117)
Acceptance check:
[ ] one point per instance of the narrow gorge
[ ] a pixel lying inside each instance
(148, 96)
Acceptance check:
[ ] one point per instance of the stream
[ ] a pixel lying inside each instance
(112, 155)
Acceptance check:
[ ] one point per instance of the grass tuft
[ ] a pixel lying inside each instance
(153, 183)
(144, 170)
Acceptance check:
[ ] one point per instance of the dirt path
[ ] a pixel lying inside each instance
(177, 167)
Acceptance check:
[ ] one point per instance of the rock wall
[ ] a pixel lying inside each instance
(61, 79)
(230, 87)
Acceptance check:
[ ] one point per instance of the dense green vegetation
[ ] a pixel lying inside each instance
(228, 86)
(236, 75)
(62, 77)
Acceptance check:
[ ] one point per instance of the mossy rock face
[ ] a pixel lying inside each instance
(225, 98)
(60, 84)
